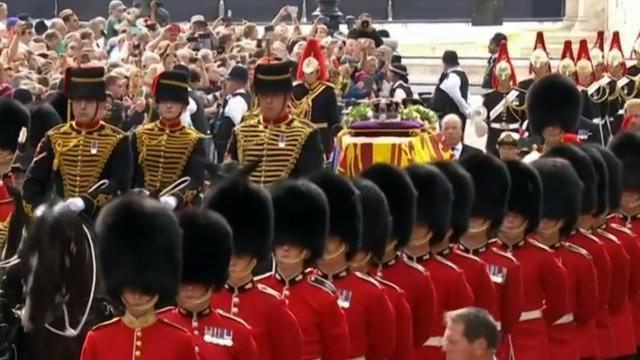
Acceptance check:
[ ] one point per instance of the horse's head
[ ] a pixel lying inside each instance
(47, 252)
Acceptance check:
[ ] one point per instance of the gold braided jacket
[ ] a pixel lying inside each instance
(163, 154)
(81, 154)
(275, 148)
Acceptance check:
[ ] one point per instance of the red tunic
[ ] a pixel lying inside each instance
(574, 336)
(626, 230)
(585, 240)
(314, 303)
(544, 289)
(619, 309)
(506, 275)
(403, 327)
(416, 282)
(6, 209)
(274, 328)
(369, 314)
(216, 334)
(158, 340)
(452, 293)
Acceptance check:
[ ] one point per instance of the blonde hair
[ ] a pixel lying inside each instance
(631, 104)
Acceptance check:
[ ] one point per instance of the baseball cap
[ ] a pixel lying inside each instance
(11, 22)
(198, 18)
(116, 5)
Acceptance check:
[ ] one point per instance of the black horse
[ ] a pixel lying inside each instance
(58, 264)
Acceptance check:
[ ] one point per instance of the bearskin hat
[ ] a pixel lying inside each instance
(139, 247)
(492, 183)
(206, 247)
(248, 209)
(301, 216)
(553, 100)
(272, 77)
(401, 196)
(525, 195)
(602, 178)
(85, 83)
(614, 168)
(376, 218)
(585, 170)
(561, 191)
(14, 117)
(43, 118)
(626, 147)
(345, 210)
(463, 196)
(435, 198)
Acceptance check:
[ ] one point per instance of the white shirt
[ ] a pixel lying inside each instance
(399, 93)
(236, 107)
(451, 85)
(457, 150)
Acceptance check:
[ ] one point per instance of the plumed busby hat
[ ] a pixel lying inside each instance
(139, 247)
(602, 178)
(85, 83)
(345, 210)
(272, 77)
(401, 196)
(43, 118)
(492, 184)
(376, 218)
(14, 116)
(301, 216)
(463, 196)
(525, 195)
(435, 198)
(626, 147)
(248, 209)
(206, 247)
(171, 85)
(553, 100)
(585, 170)
(562, 192)
(614, 168)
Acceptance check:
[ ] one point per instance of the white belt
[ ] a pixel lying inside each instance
(504, 126)
(598, 121)
(530, 315)
(567, 318)
(436, 341)
(620, 112)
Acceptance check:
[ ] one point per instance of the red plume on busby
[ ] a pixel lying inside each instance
(313, 50)
(539, 53)
(503, 56)
(616, 54)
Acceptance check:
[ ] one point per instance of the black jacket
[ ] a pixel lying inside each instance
(356, 33)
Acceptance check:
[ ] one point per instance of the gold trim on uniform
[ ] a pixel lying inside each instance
(163, 154)
(273, 77)
(275, 148)
(304, 106)
(87, 80)
(4, 233)
(175, 83)
(81, 155)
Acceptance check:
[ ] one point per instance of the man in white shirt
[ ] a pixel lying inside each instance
(452, 131)
(399, 77)
(452, 92)
(236, 103)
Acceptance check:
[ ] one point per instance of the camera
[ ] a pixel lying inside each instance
(365, 24)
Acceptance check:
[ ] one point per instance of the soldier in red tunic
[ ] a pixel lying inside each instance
(491, 183)
(206, 248)
(413, 279)
(376, 230)
(369, 314)
(626, 220)
(584, 239)
(544, 282)
(300, 231)
(574, 336)
(435, 197)
(275, 329)
(139, 252)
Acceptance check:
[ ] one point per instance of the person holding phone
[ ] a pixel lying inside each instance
(365, 29)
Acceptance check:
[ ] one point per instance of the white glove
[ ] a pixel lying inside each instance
(75, 204)
(480, 128)
(169, 201)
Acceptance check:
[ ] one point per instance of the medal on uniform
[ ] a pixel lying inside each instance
(344, 298)
(498, 273)
(282, 140)
(94, 147)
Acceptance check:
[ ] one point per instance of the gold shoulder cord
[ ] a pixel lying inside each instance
(515, 109)
(604, 95)
(305, 105)
(636, 85)
(81, 156)
(163, 155)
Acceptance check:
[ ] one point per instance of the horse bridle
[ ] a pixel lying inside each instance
(69, 331)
